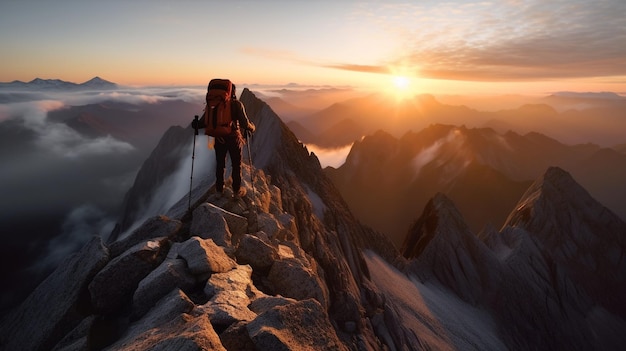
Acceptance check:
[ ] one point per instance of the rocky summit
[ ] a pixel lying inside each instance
(289, 267)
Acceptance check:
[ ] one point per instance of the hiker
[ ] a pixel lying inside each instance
(228, 137)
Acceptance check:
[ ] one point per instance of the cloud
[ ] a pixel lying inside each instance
(360, 68)
(176, 186)
(59, 138)
(330, 157)
(512, 40)
(78, 227)
(66, 142)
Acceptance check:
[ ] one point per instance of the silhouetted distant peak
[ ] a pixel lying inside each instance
(95, 83)
(538, 109)
(589, 95)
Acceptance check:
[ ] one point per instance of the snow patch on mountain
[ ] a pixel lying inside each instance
(437, 317)
(442, 151)
(318, 204)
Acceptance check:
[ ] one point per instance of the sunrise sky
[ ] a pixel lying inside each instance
(509, 46)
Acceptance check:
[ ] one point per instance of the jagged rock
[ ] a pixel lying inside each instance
(268, 224)
(266, 195)
(535, 298)
(238, 279)
(257, 253)
(155, 227)
(266, 303)
(291, 278)
(441, 246)
(57, 305)
(226, 309)
(173, 325)
(115, 284)
(579, 233)
(559, 269)
(289, 223)
(209, 222)
(172, 273)
(230, 294)
(491, 237)
(203, 256)
(236, 337)
(303, 325)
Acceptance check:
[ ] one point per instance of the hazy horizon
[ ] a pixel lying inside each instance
(456, 47)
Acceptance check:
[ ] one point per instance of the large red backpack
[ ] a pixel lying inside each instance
(218, 119)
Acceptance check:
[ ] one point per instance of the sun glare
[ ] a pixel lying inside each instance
(401, 87)
(401, 82)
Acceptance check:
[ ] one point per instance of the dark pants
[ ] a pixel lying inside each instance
(232, 146)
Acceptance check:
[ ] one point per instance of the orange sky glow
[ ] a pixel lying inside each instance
(456, 47)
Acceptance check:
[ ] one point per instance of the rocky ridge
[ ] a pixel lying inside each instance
(288, 267)
(552, 277)
(234, 275)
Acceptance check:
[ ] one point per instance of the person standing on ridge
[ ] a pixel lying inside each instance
(225, 119)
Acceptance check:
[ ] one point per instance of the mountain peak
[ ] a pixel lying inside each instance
(440, 246)
(578, 233)
(439, 212)
(98, 83)
(95, 83)
(555, 186)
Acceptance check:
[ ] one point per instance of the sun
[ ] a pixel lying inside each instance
(401, 82)
(401, 87)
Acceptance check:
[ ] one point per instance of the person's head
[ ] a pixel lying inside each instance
(233, 94)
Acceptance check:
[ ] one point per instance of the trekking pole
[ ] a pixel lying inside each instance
(250, 159)
(193, 156)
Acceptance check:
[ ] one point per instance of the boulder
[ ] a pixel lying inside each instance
(236, 337)
(268, 224)
(203, 256)
(302, 325)
(257, 253)
(228, 308)
(293, 279)
(173, 325)
(212, 222)
(265, 303)
(115, 284)
(238, 279)
(155, 227)
(170, 274)
(230, 294)
(57, 305)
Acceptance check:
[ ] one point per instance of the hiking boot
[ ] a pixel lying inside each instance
(239, 193)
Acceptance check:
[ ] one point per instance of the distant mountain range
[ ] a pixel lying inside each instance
(569, 117)
(386, 181)
(95, 83)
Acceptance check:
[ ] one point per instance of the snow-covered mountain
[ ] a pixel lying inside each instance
(289, 267)
(95, 83)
